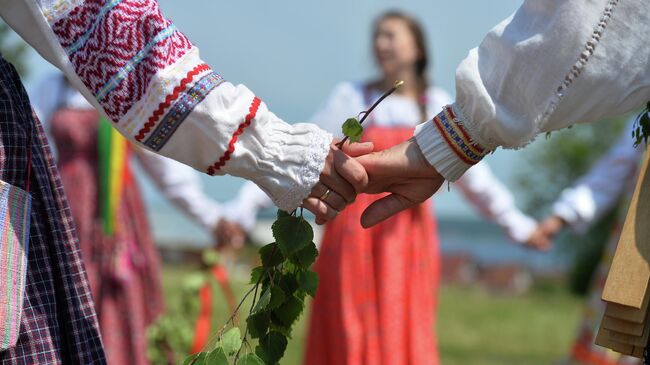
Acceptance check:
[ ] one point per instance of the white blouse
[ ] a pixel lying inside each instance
(602, 187)
(179, 183)
(132, 63)
(553, 63)
(479, 186)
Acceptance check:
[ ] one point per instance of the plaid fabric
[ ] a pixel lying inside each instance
(15, 204)
(59, 325)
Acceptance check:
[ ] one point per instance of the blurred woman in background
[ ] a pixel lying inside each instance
(107, 208)
(376, 299)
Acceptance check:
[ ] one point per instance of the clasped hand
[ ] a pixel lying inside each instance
(401, 171)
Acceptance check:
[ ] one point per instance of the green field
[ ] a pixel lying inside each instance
(474, 327)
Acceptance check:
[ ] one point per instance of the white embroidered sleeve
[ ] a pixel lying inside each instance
(148, 78)
(551, 64)
(181, 185)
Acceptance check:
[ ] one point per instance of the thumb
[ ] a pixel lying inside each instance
(383, 209)
(357, 149)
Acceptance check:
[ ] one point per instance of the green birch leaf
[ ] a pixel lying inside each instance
(272, 347)
(305, 257)
(292, 234)
(258, 324)
(231, 341)
(352, 129)
(216, 357)
(277, 297)
(263, 301)
(288, 283)
(196, 359)
(256, 274)
(271, 255)
(309, 282)
(250, 359)
(289, 311)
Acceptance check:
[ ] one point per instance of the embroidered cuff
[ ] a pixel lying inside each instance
(284, 160)
(447, 145)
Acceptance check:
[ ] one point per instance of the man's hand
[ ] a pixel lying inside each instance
(341, 180)
(403, 171)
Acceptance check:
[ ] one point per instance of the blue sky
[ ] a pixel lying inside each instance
(292, 53)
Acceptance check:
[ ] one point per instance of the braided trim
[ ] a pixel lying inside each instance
(151, 122)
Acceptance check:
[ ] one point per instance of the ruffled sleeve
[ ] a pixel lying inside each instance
(551, 64)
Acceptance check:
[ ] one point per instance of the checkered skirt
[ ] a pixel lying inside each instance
(58, 325)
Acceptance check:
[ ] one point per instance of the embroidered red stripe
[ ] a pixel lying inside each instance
(451, 143)
(252, 112)
(151, 122)
(462, 129)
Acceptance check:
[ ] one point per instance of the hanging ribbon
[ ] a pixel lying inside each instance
(113, 171)
(202, 328)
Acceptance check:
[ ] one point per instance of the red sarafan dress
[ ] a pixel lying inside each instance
(389, 276)
(124, 269)
(376, 299)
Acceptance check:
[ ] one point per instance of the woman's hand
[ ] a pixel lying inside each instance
(403, 171)
(229, 235)
(545, 233)
(341, 180)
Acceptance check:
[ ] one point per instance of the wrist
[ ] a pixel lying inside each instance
(447, 145)
(422, 166)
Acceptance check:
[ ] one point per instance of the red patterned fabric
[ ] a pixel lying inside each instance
(376, 299)
(124, 270)
(117, 50)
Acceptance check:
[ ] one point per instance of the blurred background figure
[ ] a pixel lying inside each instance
(609, 181)
(377, 294)
(115, 238)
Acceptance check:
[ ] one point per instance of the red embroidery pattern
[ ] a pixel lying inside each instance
(252, 112)
(77, 22)
(457, 137)
(117, 52)
(169, 99)
(460, 127)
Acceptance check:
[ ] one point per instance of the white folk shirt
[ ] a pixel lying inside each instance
(179, 183)
(132, 63)
(602, 187)
(479, 186)
(553, 63)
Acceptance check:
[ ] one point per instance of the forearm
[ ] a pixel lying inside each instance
(495, 202)
(159, 94)
(181, 185)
